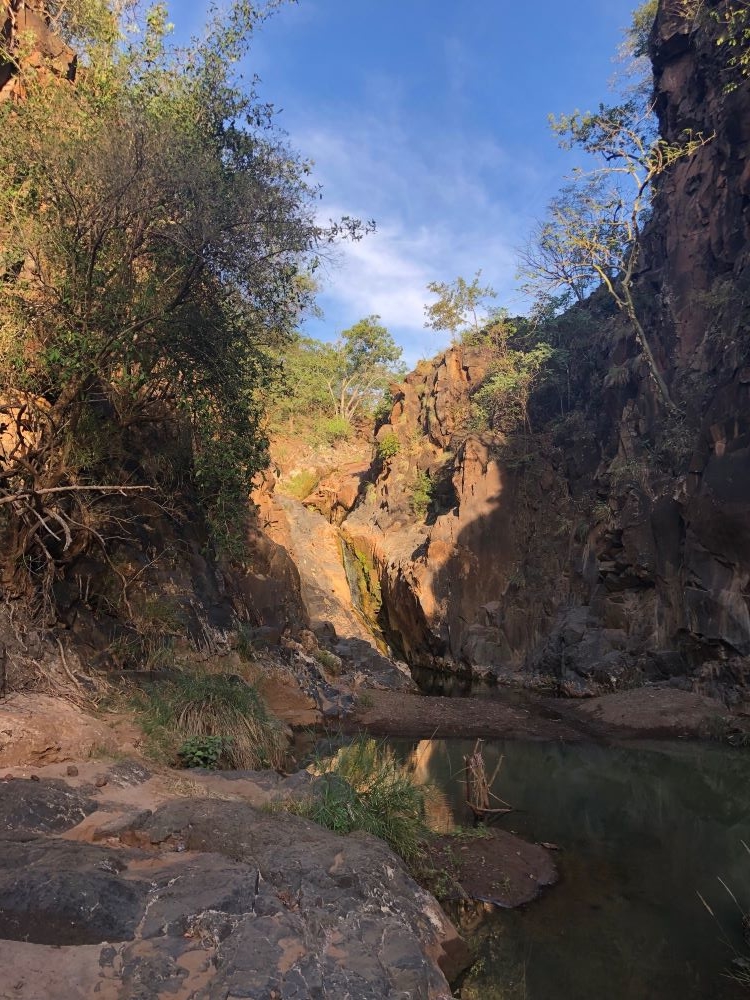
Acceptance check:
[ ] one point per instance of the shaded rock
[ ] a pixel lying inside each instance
(49, 806)
(492, 866)
(656, 710)
(55, 892)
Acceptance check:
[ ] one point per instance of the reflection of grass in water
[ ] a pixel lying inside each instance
(498, 975)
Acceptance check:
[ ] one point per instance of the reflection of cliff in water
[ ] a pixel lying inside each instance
(642, 832)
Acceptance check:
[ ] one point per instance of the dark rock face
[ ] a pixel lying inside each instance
(47, 806)
(53, 892)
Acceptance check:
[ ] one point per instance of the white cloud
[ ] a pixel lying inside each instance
(435, 202)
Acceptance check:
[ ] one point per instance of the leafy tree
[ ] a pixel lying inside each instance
(301, 393)
(555, 261)
(364, 361)
(503, 398)
(593, 235)
(460, 307)
(153, 229)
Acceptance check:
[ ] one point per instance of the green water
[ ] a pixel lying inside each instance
(642, 831)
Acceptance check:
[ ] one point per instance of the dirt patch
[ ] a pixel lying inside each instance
(37, 729)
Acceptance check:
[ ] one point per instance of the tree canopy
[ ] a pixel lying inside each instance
(461, 306)
(345, 379)
(155, 231)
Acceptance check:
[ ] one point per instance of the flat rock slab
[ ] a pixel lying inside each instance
(492, 866)
(392, 713)
(45, 806)
(219, 899)
(657, 711)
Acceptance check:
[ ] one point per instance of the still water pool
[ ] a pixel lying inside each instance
(642, 831)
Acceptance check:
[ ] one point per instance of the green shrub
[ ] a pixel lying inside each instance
(421, 494)
(334, 430)
(195, 706)
(364, 788)
(330, 661)
(301, 485)
(203, 751)
(388, 446)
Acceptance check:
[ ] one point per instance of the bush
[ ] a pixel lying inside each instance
(301, 485)
(364, 788)
(203, 751)
(335, 429)
(196, 711)
(388, 447)
(421, 494)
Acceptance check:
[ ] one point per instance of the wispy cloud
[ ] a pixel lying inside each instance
(437, 218)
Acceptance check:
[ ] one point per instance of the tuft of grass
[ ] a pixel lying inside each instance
(329, 661)
(301, 485)
(365, 788)
(245, 648)
(365, 700)
(222, 706)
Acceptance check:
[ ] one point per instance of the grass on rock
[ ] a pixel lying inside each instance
(223, 706)
(365, 788)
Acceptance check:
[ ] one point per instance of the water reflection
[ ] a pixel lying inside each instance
(643, 831)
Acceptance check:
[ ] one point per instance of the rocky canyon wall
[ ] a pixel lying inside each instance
(612, 544)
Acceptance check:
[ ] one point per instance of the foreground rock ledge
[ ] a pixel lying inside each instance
(211, 900)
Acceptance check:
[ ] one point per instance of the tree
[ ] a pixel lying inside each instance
(153, 229)
(363, 362)
(593, 235)
(459, 308)
(555, 260)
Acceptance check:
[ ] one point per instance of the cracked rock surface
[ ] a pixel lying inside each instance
(207, 899)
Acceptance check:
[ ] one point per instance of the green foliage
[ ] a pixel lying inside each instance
(641, 22)
(460, 308)
(334, 429)
(245, 648)
(388, 446)
(196, 706)
(337, 382)
(502, 400)
(139, 282)
(734, 40)
(364, 788)
(301, 485)
(203, 751)
(329, 660)
(422, 490)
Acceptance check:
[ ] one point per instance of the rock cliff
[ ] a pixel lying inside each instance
(612, 545)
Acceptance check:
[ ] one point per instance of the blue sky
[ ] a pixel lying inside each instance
(429, 116)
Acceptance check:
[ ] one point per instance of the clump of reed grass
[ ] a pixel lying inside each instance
(193, 705)
(365, 788)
